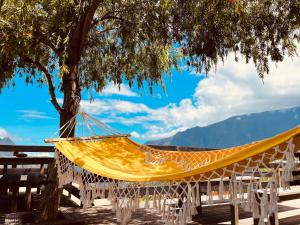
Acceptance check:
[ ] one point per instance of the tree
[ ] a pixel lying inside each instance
(88, 43)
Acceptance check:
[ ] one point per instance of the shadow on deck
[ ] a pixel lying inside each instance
(220, 214)
(212, 215)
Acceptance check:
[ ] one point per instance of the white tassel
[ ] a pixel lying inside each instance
(137, 200)
(255, 207)
(102, 194)
(177, 219)
(290, 157)
(185, 215)
(109, 194)
(164, 209)
(247, 206)
(147, 198)
(154, 201)
(193, 201)
(159, 203)
(273, 198)
(221, 189)
(230, 192)
(289, 166)
(254, 201)
(241, 193)
(173, 216)
(263, 208)
(209, 194)
(118, 214)
(181, 217)
(169, 212)
(198, 196)
(114, 205)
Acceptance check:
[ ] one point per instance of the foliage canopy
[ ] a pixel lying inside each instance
(88, 43)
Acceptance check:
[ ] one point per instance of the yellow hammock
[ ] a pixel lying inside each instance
(121, 158)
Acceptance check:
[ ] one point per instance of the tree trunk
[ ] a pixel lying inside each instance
(72, 97)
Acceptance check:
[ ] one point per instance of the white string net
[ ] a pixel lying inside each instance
(253, 183)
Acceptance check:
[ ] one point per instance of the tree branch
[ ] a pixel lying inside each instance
(42, 39)
(51, 87)
(49, 80)
(79, 34)
(50, 45)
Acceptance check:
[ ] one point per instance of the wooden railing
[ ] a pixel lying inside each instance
(25, 148)
(27, 172)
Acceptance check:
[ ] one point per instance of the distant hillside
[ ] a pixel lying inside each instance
(235, 130)
(6, 141)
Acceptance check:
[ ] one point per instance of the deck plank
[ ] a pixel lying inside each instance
(212, 215)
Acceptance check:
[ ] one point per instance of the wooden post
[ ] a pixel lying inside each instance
(51, 195)
(28, 199)
(3, 190)
(42, 171)
(42, 168)
(4, 168)
(234, 209)
(272, 219)
(14, 202)
(234, 214)
(14, 165)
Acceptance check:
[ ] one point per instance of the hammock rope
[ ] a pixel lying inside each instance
(136, 176)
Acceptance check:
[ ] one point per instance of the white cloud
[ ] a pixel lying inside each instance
(158, 132)
(123, 90)
(135, 134)
(234, 89)
(33, 114)
(113, 107)
(3, 133)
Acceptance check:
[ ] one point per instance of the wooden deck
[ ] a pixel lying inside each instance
(289, 214)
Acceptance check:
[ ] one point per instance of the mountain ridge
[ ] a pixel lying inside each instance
(236, 130)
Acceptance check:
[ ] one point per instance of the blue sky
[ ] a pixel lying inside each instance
(28, 117)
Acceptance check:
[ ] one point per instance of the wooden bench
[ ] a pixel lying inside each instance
(14, 178)
(29, 172)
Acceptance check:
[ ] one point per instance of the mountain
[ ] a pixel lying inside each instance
(6, 141)
(235, 130)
